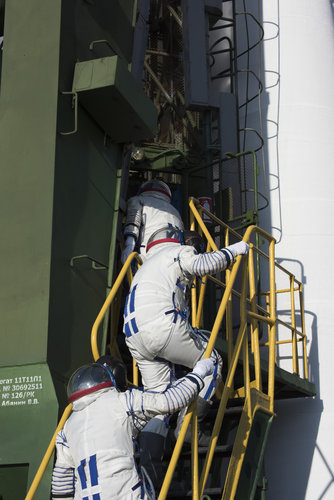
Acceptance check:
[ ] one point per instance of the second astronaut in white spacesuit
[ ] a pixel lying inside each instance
(148, 211)
(156, 324)
(95, 450)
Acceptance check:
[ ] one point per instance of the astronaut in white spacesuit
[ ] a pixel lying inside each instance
(156, 325)
(95, 450)
(147, 212)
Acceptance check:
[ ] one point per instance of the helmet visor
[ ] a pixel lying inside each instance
(87, 379)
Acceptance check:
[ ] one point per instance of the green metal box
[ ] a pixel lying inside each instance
(116, 101)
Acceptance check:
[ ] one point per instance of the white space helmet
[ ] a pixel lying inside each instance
(104, 373)
(155, 186)
(174, 235)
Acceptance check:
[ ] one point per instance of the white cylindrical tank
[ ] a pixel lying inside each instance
(298, 127)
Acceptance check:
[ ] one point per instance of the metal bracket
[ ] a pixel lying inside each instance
(91, 45)
(75, 106)
(93, 261)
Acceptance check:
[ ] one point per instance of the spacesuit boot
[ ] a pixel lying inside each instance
(204, 435)
(152, 443)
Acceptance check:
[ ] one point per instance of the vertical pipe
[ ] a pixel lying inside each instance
(293, 325)
(113, 248)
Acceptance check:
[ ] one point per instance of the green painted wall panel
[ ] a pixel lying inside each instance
(28, 418)
(28, 110)
(82, 223)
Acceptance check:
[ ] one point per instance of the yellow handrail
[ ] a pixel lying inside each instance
(229, 381)
(39, 474)
(210, 346)
(125, 271)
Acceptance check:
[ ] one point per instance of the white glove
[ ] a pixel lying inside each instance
(204, 367)
(240, 248)
(129, 246)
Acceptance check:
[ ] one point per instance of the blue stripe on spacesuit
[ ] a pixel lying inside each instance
(228, 256)
(178, 283)
(212, 383)
(215, 261)
(134, 325)
(176, 311)
(93, 470)
(126, 306)
(193, 379)
(132, 299)
(130, 309)
(174, 398)
(208, 263)
(205, 262)
(82, 474)
(127, 330)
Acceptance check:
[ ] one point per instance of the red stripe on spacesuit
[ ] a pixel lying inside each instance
(163, 240)
(80, 394)
(155, 189)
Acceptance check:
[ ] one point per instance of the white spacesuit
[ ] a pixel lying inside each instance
(147, 212)
(156, 313)
(156, 326)
(95, 450)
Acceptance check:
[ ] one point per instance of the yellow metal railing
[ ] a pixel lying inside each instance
(249, 310)
(125, 271)
(40, 472)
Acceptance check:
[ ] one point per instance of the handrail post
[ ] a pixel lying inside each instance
(193, 286)
(230, 375)
(254, 322)
(194, 453)
(302, 314)
(243, 320)
(272, 329)
(176, 454)
(293, 325)
(110, 297)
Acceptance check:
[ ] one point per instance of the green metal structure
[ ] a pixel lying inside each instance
(60, 194)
